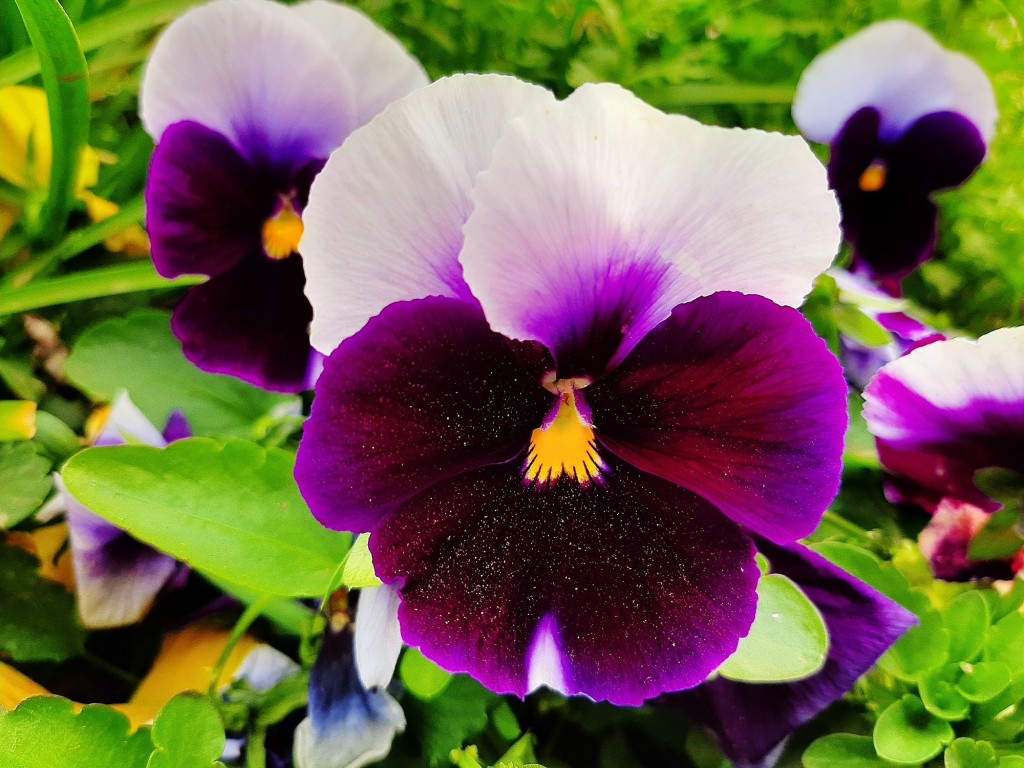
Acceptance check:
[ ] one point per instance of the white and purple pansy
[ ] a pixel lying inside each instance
(947, 410)
(904, 118)
(246, 99)
(567, 378)
(117, 577)
(754, 721)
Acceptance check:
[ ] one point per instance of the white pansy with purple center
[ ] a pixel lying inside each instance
(904, 118)
(246, 99)
(566, 374)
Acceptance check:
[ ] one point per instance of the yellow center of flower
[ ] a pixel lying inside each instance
(282, 231)
(565, 447)
(873, 178)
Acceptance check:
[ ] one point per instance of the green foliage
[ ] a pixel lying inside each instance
(232, 510)
(24, 482)
(906, 733)
(45, 732)
(358, 571)
(38, 621)
(788, 640)
(187, 733)
(139, 354)
(422, 677)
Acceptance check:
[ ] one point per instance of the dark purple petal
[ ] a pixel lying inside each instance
(177, 427)
(619, 590)
(251, 322)
(891, 230)
(205, 204)
(736, 399)
(854, 148)
(751, 720)
(424, 392)
(938, 151)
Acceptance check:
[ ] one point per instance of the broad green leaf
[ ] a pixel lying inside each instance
(906, 733)
(966, 618)
(869, 569)
(453, 717)
(422, 677)
(232, 510)
(1000, 538)
(940, 696)
(139, 354)
(983, 681)
(187, 733)
(1004, 640)
(860, 327)
(38, 621)
(842, 750)
(788, 640)
(24, 482)
(17, 420)
(968, 753)
(923, 648)
(65, 78)
(358, 571)
(45, 732)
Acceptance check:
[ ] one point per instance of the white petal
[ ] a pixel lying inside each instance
(378, 637)
(255, 71)
(264, 667)
(581, 192)
(358, 735)
(384, 220)
(899, 69)
(380, 68)
(127, 424)
(545, 660)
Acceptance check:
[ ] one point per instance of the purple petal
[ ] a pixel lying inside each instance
(619, 590)
(751, 720)
(177, 427)
(939, 151)
(251, 322)
(424, 392)
(205, 205)
(948, 409)
(946, 543)
(891, 230)
(117, 577)
(854, 148)
(737, 400)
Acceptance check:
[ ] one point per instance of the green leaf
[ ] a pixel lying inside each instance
(966, 618)
(860, 327)
(17, 420)
(446, 722)
(968, 753)
(983, 681)
(358, 571)
(940, 696)
(24, 482)
(921, 649)
(38, 621)
(65, 78)
(842, 750)
(906, 733)
(1004, 485)
(788, 640)
(187, 733)
(231, 510)
(141, 355)
(999, 539)
(45, 732)
(421, 676)
(869, 569)
(1004, 640)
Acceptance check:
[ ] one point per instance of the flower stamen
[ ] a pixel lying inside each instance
(874, 177)
(564, 446)
(282, 231)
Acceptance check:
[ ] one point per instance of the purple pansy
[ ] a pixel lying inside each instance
(753, 721)
(246, 99)
(905, 118)
(116, 576)
(557, 389)
(939, 415)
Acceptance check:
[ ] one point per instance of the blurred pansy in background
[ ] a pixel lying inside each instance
(246, 99)
(567, 376)
(116, 576)
(945, 417)
(904, 118)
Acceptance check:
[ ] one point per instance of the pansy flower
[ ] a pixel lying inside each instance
(246, 99)
(754, 721)
(939, 415)
(904, 118)
(117, 577)
(565, 377)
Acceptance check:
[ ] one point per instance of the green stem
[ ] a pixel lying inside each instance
(106, 28)
(256, 749)
(694, 94)
(78, 241)
(114, 671)
(845, 525)
(249, 615)
(94, 284)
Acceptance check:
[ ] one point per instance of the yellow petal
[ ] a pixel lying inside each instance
(16, 687)
(132, 240)
(45, 544)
